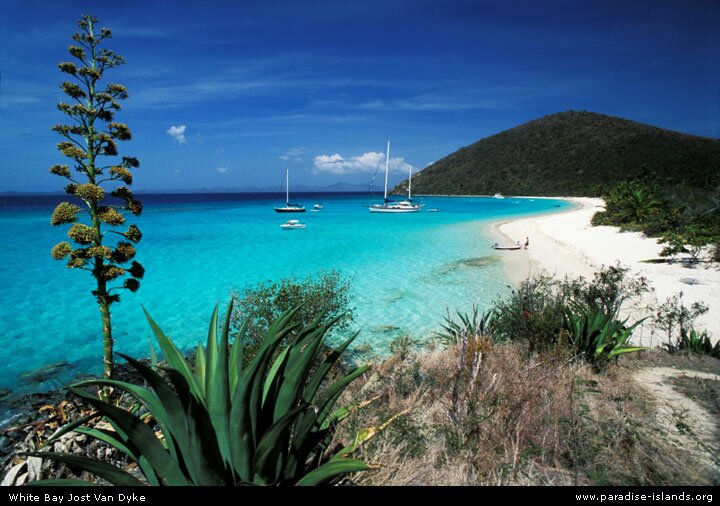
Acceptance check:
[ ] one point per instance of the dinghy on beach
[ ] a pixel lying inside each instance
(507, 247)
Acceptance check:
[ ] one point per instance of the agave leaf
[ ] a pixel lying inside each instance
(173, 356)
(324, 368)
(110, 438)
(153, 355)
(235, 365)
(113, 439)
(211, 349)
(69, 427)
(620, 351)
(200, 367)
(174, 427)
(332, 469)
(247, 397)
(217, 382)
(108, 472)
(202, 456)
(142, 437)
(299, 365)
(145, 396)
(273, 445)
(340, 414)
(365, 435)
(333, 392)
(254, 373)
(274, 377)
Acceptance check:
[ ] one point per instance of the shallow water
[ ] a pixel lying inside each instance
(405, 270)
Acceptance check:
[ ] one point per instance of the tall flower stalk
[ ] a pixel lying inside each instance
(101, 246)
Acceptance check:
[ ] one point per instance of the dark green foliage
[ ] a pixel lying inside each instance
(572, 153)
(326, 294)
(597, 334)
(538, 311)
(533, 313)
(268, 423)
(91, 136)
(633, 202)
(699, 343)
(473, 325)
(686, 221)
(691, 239)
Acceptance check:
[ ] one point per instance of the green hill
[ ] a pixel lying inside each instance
(572, 153)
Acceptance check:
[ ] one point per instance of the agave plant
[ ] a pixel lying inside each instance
(598, 335)
(221, 424)
(472, 325)
(698, 342)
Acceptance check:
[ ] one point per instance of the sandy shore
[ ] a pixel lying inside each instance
(566, 244)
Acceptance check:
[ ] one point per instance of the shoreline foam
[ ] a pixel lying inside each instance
(565, 243)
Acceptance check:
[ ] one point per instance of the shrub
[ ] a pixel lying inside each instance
(533, 313)
(537, 311)
(225, 424)
(673, 316)
(326, 294)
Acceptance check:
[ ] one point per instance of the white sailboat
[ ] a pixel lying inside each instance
(289, 208)
(390, 206)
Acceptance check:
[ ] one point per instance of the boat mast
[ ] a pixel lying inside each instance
(287, 187)
(387, 168)
(410, 186)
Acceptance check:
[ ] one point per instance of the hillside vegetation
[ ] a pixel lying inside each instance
(572, 153)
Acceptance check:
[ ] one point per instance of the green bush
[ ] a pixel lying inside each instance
(225, 424)
(255, 308)
(536, 311)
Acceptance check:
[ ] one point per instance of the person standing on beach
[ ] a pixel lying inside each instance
(527, 242)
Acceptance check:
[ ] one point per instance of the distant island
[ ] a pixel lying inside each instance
(575, 153)
(332, 188)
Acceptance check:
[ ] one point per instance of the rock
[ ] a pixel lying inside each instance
(44, 373)
(4, 392)
(690, 281)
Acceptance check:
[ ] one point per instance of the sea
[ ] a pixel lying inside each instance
(406, 271)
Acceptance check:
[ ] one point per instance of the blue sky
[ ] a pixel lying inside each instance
(230, 93)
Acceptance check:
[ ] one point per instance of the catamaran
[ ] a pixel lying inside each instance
(289, 208)
(390, 206)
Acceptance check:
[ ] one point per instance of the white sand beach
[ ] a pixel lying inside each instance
(566, 244)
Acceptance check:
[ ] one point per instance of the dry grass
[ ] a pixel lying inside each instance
(485, 413)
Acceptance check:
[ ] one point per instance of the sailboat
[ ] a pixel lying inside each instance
(289, 208)
(390, 206)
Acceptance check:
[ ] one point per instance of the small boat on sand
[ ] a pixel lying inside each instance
(507, 247)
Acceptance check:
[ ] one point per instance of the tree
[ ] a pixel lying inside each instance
(90, 135)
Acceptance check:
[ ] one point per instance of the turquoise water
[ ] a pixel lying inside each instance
(404, 270)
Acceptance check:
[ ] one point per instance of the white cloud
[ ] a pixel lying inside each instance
(367, 162)
(294, 154)
(177, 133)
(223, 170)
